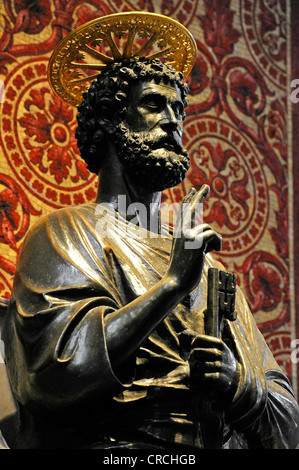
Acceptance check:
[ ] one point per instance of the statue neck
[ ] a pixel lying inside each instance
(127, 197)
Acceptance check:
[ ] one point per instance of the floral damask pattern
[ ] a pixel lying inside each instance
(236, 132)
(12, 228)
(15, 212)
(46, 158)
(238, 204)
(228, 181)
(50, 137)
(30, 16)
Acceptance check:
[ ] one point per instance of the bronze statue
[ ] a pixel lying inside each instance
(105, 338)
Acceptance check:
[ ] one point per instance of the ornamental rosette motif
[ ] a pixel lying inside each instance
(38, 139)
(50, 138)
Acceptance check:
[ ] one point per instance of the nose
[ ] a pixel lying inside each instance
(169, 120)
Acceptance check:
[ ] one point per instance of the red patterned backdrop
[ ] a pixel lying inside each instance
(238, 131)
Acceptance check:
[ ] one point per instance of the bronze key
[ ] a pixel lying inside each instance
(220, 300)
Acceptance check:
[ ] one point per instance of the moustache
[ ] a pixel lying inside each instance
(147, 141)
(169, 143)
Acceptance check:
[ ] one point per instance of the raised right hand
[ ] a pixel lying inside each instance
(191, 242)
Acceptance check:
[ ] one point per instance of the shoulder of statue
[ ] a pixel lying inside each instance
(63, 214)
(52, 240)
(47, 229)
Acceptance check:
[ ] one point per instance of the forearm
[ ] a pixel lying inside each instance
(128, 327)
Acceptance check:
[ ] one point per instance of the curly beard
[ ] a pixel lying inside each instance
(157, 164)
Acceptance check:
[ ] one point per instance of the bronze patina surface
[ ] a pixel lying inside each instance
(108, 334)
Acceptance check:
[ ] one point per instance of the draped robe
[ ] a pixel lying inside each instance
(75, 268)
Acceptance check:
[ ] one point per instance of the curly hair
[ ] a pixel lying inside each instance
(108, 95)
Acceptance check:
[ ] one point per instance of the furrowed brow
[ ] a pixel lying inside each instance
(147, 95)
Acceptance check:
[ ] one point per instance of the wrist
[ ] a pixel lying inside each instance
(173, 286)
(176, 285)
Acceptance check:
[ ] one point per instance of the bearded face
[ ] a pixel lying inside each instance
(155, 162)
(149, 140)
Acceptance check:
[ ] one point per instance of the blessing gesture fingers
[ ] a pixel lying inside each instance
(191, 242)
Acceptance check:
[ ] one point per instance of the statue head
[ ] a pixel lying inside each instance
(120, 52)
(107, 115)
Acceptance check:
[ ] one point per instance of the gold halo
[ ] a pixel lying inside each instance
(112, 38)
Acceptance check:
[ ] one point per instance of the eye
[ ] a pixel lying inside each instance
(153, 103)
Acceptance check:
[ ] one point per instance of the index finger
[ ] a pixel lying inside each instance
(191, 206)
(197, 202)
(203, 192)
